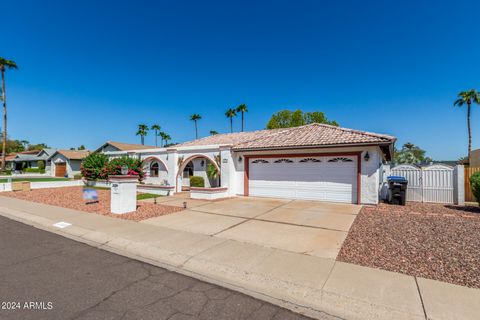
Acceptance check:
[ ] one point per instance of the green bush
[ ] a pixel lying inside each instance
(34, 170)
(196, 181)
(41, 164)
(475, 185)
(94, 167)
(77, 176)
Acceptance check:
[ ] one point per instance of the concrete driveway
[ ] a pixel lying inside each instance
(307, 227)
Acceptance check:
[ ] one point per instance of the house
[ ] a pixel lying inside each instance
(120, 146)
(66, 163)
(29, 159)
(474, 158)
(312, 162)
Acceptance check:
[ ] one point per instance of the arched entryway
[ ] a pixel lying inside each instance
(156, 171)
(197, 165)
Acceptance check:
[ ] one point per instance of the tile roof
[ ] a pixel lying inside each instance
(74, 154)
(304, 136)
(128, 146)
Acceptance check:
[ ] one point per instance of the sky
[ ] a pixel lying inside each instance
(91, 71)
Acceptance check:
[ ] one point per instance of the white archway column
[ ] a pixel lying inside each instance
(227, 169)
(172, 166)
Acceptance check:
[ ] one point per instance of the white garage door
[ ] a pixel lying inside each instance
(311, 178)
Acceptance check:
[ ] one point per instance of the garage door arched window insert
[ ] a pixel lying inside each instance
(341, 159)
(310, 160)
(283, 161)
(260, 161)
(154, 169)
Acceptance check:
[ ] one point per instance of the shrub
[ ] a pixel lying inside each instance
(94, 167)
(34, 170)
(41, 164)
(77, 176)
(475, 185)
(135, 167)
(196, 181)
(212, 171)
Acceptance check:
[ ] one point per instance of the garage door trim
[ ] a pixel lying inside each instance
(297, 155)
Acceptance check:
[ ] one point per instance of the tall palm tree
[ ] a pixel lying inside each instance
(142, 132)
(162, 137)
(230, 114)
(242, 108)
(195, 117)
(468, 97)
(167, 138)
(156, 128)
(213, 132)
(4, 65)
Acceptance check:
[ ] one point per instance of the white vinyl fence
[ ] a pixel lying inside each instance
(435, 183)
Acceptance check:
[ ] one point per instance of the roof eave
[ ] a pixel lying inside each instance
(386, 143)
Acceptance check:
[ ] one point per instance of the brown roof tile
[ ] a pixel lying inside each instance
(309, 135)
(74, 154)
(129, 146)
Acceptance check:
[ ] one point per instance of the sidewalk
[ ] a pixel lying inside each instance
(302, 283)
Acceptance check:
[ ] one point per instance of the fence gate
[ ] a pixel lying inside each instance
(428, 184)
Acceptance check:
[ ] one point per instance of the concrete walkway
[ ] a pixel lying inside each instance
(304, 283)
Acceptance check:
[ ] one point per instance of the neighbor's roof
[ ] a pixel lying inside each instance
(126, 146)
(73, 154)
(311, 135)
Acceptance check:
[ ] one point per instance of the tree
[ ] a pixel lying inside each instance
(167, 138)
(82, 147)
(162, 137)
(213, 132)
(142, 132)
(156, 128)
(468, 97)
(288, 119)
(411, 154)
(230, 114)
(195, 117)
(242, 108)
(39, 146)
(4, 65)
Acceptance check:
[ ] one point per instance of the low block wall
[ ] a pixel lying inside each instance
(156, 189)
(99, 183)
(56, 184)
(208, 193)
(5, 187)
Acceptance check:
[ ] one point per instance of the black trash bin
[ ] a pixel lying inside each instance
(397, 190)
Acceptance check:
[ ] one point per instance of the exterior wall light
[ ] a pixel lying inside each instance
(240, 159)
(202, 163)
(124, 170)
(367, 156)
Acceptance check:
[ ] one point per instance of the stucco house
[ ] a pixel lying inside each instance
(29, 159)
(474, 159)
(313, 162)
(66, 163)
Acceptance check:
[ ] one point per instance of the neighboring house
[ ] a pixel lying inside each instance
(120, 146)
(474, 158)
(312, 162)
(30, 159)
(66, 163)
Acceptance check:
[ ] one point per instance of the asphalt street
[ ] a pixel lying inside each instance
(46, 276)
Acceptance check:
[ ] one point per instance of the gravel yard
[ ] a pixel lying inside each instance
(72, 197)
(434, 241)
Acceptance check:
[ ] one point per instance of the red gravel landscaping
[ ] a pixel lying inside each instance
(72, 197)
(434, 241)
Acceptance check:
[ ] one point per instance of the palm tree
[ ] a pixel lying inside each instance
(156, 127)
(468, 97)
(230, 114)
(167, 138)
(195, 117)
(142, 132)
(4, 65)
(242, 108)
(213, 132)
(162, 137)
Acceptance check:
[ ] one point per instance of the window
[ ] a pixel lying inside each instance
(340, 160)
(310, 160)
(154, 169)
(283, 161)
(260, 161)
